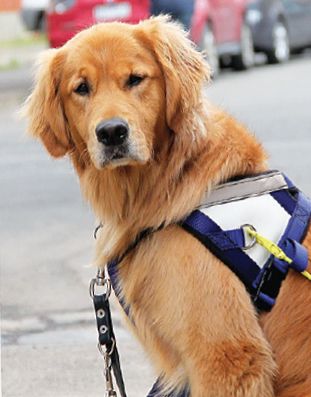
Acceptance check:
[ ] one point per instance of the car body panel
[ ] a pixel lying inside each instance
(295, 14)
(225, 18)
(85, 13)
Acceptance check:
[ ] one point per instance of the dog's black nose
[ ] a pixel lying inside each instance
(112, 132)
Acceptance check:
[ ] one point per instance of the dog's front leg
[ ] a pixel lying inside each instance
(224, 350)
(231, 368)
(195, 316)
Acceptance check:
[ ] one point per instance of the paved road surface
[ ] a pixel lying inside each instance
(48, 330)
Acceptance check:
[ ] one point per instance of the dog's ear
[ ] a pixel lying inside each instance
(43, 107)
(184, 68)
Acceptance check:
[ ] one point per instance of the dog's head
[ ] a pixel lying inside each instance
(112, 92)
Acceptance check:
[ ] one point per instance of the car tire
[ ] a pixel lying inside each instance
(246, 58)
(42, 24)
(208, 46)
(280, 44)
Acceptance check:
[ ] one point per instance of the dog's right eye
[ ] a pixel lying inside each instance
(135, 80)
(82, 89)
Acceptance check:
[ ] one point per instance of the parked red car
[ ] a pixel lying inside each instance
(67, 17)
(218, 26)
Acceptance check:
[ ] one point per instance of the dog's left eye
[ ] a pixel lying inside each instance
(82, 89)
(134, 80)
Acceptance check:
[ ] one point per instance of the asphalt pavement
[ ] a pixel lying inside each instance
(18, 55)
(48, 328)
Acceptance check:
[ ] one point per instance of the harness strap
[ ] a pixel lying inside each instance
(223, 244)
(245, 187)
(113, 271)
(157, 392)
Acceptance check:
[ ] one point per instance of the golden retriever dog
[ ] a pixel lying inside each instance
(125, 104)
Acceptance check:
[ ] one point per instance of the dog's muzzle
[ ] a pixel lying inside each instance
(112, 132)
(113, 136)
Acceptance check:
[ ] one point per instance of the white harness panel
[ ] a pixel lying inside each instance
(263, 212)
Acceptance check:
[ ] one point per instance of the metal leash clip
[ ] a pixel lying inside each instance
(110, 391)
(101, 281)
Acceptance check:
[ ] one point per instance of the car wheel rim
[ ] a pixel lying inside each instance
(208, 44)
(280, 42)
(247, 47)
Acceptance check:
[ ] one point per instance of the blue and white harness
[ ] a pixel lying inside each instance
(273, 207)
(232, 220)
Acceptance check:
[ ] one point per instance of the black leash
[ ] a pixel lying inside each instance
(106, 338)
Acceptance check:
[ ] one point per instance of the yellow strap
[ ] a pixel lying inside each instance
(273, 249)
(307, 274)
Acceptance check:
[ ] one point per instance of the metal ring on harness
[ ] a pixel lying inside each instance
(254, 240)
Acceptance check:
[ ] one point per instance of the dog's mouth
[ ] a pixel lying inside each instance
(118, 162)
(116, 156)
(112, 157)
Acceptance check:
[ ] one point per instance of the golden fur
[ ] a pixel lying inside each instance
(192, 314)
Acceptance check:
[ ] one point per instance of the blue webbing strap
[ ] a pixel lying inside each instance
(299, 221)
(274, 272)
(156, 391)
(223, 244)
(113, 271)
